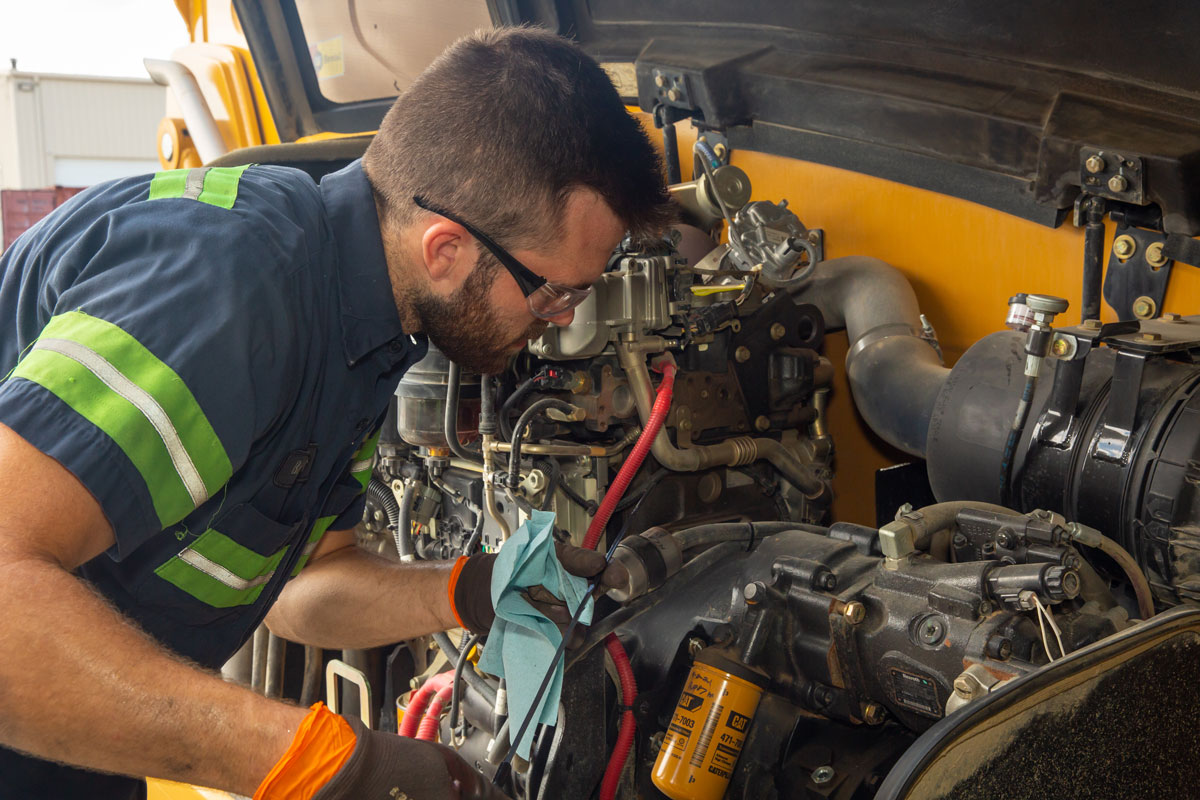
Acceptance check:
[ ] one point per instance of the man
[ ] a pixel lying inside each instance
(197, 358)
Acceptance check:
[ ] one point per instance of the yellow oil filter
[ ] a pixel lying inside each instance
(708, 728)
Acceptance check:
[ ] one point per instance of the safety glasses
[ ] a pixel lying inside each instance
(546, 300)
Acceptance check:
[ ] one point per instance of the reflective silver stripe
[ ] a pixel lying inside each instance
(361, 466)
(215, 571)
(143, 401)
(195, 183)
(309, 548)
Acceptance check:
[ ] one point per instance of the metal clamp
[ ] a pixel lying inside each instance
(340, 669)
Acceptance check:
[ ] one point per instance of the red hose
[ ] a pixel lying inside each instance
(616, 762)
(416, 706)
(662, 404)
(432, 719)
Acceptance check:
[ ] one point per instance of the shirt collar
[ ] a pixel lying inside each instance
(369, 315)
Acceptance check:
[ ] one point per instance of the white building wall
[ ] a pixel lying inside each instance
(73, 130)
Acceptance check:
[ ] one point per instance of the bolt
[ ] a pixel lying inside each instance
(873, 713)
(1005, 540)
(1151, 337)
(959, 540)
(827, 581)
(778, 331)
(1117, 183)
(755, 592)
(932, 631)
(999, 648)
(1155, 256)
(660, 81)
(674, 94)
(742, 354)
(1061, 347)
(720, 150)
(761, 423)
(1124, 246)
(823, 775)
(1144, 307)
(695, 645)
(1172, 317)
(1094, 164)
(963, 686)
(684, 425)
(656, 741)
(854, 612)
(1091, 325)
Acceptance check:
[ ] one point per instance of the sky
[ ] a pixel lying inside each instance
(88, 37)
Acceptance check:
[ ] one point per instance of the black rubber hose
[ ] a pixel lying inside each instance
(553, 479)
(382, 494)
(1014, 438)
(510, 403)
(487, 407)
(450, 420)
(473, 678)
(455, 694)
(476, 534)
(403, 532)
(514, 456)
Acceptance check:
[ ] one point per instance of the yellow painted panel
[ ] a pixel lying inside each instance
(168, 790)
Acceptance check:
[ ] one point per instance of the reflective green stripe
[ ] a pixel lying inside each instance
(220, 572)
(216, 186)
(168, 184)
(118, 385)
(313, 538)
(364, 457)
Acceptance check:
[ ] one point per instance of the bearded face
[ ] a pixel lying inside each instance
(469, 329)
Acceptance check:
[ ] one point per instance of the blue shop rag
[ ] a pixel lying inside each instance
(523, 641)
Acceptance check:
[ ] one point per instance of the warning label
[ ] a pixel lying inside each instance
(327, 58)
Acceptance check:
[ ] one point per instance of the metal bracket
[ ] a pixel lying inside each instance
(1110, 174)
(1138, 272)
(340, 669)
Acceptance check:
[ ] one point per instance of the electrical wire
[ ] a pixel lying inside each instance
(455, 693)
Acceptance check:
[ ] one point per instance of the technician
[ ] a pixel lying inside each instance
(197, 364)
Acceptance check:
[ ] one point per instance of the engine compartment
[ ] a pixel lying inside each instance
(854, 639)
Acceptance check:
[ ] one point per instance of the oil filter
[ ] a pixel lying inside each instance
(708, 728)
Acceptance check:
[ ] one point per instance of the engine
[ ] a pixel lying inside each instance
(777, 653)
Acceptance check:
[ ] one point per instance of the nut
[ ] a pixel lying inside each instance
(1172, 317)
(1144, 307)
(742, 354)
(1091, 325)
(873, 713)
(778, 331)
(674, 94)
(823, 775)
(1117, 183)
(660, 81)
(1154, 255)
(1124, 246)
(854, 612)
(1151, 337)
(1094, 164)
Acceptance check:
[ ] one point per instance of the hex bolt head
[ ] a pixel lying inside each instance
(1091, 325)
(963, 687)
(742, 354)
(1151, 337)
(1172, 317)
(660, 81)
(1117, 183)
(1094, 164)
(854, 612)
(1144, 307)
(778, 331)
(1124, 246)
(674, 94)
(823, 775)
(761, 423)
(755, 592)
(1155, 256)
(874, 713)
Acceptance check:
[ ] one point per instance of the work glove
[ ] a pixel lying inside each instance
(471, 586)
(339, 758)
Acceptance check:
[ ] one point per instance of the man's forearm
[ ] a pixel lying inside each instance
(354, 599)
(83, 686)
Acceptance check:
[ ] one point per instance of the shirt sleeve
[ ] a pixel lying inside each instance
(154, 350)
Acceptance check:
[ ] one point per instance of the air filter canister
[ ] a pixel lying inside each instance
(708, 728)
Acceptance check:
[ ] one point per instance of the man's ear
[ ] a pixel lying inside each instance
(449, 253)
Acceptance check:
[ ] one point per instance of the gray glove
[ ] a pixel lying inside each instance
(385, 766)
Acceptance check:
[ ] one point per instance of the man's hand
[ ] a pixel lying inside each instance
(339, 758)
(472, 594)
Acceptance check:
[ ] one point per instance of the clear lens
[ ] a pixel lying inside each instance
(551, 299)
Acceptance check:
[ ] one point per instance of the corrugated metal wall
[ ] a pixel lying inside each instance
(50, 119)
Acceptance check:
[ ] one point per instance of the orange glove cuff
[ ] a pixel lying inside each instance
(323, 743)
(454, 573)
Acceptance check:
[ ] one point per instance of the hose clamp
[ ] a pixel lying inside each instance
(878, 334)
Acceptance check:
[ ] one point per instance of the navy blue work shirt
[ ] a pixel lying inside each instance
(209, 352)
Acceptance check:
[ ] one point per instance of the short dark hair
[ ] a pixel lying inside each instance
(502, 126)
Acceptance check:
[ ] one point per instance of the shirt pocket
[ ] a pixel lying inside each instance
(225, 568)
